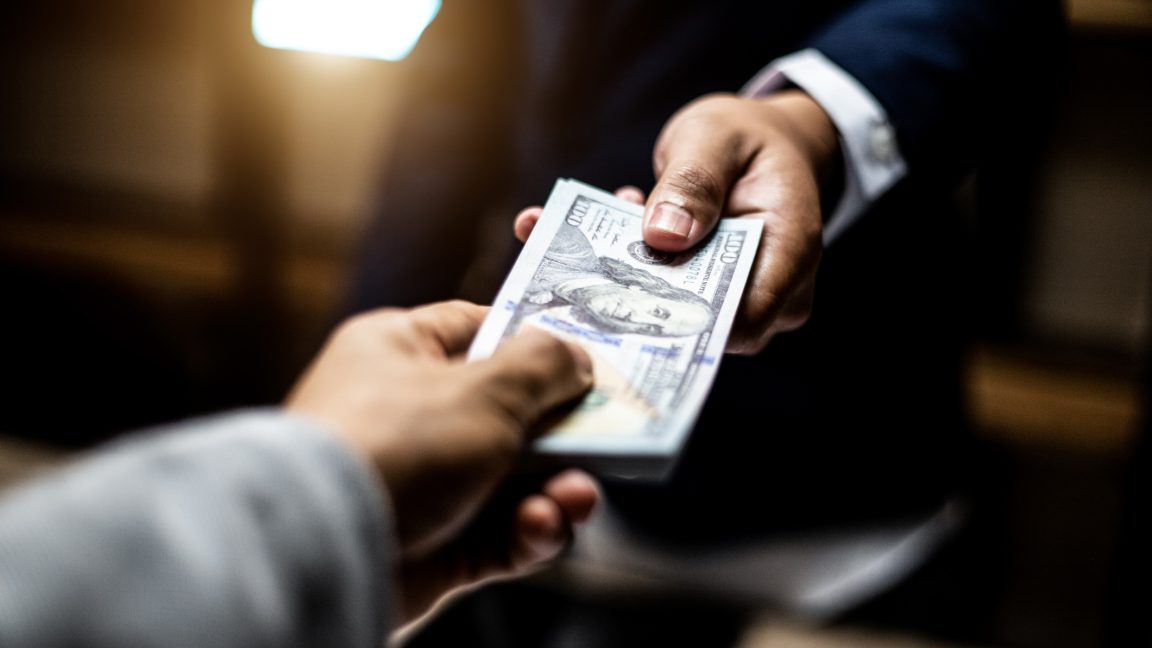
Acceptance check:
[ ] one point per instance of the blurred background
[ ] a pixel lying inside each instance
(180, 207)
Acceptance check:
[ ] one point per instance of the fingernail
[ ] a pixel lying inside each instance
(671, 218)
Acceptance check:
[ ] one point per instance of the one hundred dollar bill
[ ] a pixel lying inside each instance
(654, 323)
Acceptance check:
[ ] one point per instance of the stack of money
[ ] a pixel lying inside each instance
(654, 323)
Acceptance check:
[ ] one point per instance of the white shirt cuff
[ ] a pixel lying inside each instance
(872, 159)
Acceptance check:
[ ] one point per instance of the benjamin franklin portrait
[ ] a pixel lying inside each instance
(612, 296)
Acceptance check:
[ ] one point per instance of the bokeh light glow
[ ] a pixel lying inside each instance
(377, 29)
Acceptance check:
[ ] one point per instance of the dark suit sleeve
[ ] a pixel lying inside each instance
(947, 71)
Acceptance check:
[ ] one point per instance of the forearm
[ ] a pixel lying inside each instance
(248, 530)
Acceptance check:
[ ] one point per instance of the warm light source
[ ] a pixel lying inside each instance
(378, 29)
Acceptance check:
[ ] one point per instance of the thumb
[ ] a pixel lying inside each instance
(696, 164)
(534, 373)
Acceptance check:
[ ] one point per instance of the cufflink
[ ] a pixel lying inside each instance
(882, 145)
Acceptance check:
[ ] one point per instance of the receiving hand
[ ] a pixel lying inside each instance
(444, 434)
(764, 158)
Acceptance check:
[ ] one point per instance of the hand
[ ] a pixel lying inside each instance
(764, 158)
(443, 434)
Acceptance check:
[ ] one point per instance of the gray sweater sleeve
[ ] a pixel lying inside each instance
(251, 529)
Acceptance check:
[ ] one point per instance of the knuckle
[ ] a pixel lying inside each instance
(696, 182)
(365, 325)
(550, 346)
(748, 340)
(374, 318)
(461, 306)
(508, 401)
(711, 105)
(791, 320)
(812, 237)
(544, 355)
(747, 347)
